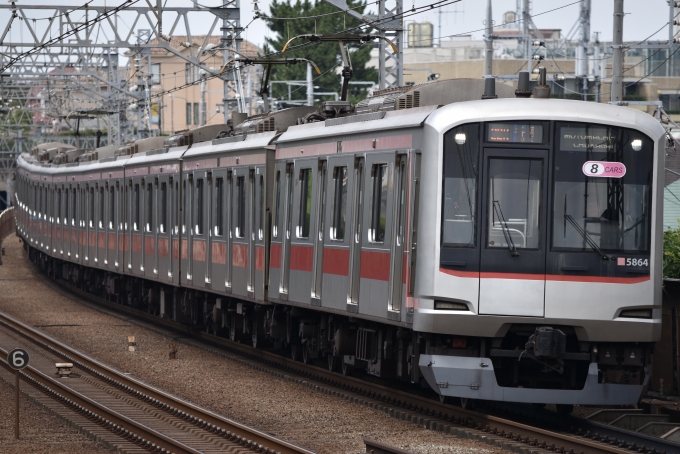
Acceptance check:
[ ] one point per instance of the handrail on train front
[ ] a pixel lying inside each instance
(7, 225)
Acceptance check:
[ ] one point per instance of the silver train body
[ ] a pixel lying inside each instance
(491, 249)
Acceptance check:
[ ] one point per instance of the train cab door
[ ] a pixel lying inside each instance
(513, 220)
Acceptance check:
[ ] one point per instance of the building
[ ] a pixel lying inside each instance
(181, 109)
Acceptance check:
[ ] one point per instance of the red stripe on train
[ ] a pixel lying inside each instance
(112, 241)
(259, 258)
(547, 277)
(149, 245)
(219, 253)
(198, 250)
(336, 261)
(301, 257)
(375, 265)
(275, 256)
(101, 240)
(162, 247)
(239, 255)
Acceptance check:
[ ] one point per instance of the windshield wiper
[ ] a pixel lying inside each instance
(585, 236)
(505, 229)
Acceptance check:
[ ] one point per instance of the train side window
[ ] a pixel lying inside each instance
(164, 208)
(376, 231)
(40, 194)
(304, 220)
(199, 206)
(65, 216)
(135, 220)
(91, 209)
(260, 210)
(112, 208)
(240, 207)
(58, 212)
(277, 204)
(337, 232)
(101, 208)
(219, 208)
(184, 219)
(401, 203)
(73, 206)
(148, 210)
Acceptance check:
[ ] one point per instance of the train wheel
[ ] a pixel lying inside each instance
(347, 369)
(306, 355)
(332, 362)
(295, 351)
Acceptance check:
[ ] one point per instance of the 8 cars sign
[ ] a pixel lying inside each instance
(604, 169)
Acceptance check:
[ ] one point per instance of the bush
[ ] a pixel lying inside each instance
(671, 253)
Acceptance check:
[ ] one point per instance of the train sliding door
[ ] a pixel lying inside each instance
(513, 215)
(242, 236)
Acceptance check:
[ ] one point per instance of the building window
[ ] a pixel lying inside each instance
(188, 113)
(155, 73)
(187, 73)
(196, 114)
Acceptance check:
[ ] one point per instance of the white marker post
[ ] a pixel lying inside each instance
(17, 360)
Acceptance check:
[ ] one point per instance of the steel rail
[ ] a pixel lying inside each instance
(516, 431)
(138, 433)
(249, 435)
(376, 447)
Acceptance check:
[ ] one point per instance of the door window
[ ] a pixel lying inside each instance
(514, 203)
(376, 232)
(240, 207)
(305, 203)
(219, 221)
(337, 232)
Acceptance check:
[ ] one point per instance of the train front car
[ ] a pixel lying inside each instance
(540, 278)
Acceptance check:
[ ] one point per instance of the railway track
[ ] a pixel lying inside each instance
(522, 427)
(145, 418)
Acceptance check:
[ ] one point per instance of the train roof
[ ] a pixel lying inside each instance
(545, 109)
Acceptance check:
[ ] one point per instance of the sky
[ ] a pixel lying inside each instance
(643, 17)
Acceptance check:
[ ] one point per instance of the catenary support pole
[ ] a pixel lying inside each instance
(617, 54)
(488, 39)
(310, 86)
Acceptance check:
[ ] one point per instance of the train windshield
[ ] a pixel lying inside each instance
(602, 188)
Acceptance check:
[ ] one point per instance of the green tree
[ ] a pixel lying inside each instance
(326, 55)
(671, 253)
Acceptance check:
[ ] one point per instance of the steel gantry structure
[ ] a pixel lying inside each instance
(60, 64)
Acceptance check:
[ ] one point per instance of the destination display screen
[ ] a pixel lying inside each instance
(514, 132)
(585, 138)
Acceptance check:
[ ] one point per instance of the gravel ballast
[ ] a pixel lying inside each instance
(294, 412)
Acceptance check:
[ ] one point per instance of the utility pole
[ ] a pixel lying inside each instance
(488, 39)
(204, 113)
(617, 52)
(582, 49)
(310, 86)
(526, 13)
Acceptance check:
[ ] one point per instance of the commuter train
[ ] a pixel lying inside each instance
(456, 234)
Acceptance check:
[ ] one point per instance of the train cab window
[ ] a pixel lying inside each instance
(378, 207)
(219, 207)
(240, 207)
(91, 209)
(277, 204)
(260, 210)
(459, 194)
(339, 208)
(304, 220)
(592, 202)
(102, 210)
(112, 208)
(148, 209)
(514, 203)
(164, 208)
(135, 209)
